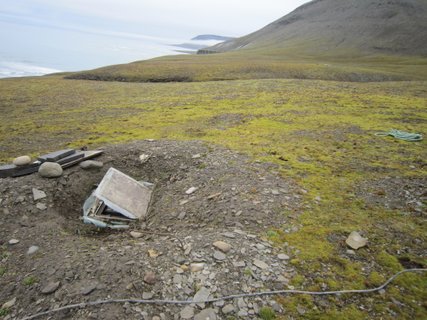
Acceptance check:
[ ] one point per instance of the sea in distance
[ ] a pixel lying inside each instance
(49, 50)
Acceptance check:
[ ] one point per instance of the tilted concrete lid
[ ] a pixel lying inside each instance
(124, 194)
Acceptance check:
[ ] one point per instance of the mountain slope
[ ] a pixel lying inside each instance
(340, 27)
(345, 40)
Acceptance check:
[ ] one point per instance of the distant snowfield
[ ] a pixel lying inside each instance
(20, 69)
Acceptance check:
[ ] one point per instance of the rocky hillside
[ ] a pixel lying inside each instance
(343, 27)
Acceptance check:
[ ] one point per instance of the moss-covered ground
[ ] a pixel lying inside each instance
(264, 63)
(320, 133)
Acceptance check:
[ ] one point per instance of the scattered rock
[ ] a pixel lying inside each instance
(201, 295)
(147, 295)
(22, 161)
(88, 289)
(215, 195)
(207, 314)
(51, 287)
(230, 235)
(218, 255)
(50, 170)
(38, 194)
(91, 164)
(239, 264)
(144, 158)
(153, 253)
(41, 206)
(191, 190)
(9, 304)
(195, 267)
(260, 264)
(13, 241)
(229, 308)
(150, 277)
(222, 246)
(352, 252)
(136, 235)
(187, 313)
(355, 240)
(32, 250)
(283, 256)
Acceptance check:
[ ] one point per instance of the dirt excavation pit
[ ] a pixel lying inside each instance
(177, 256)
(230, 190)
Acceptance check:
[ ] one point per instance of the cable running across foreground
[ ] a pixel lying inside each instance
(236, 296)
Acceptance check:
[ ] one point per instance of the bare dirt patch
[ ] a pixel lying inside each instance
(236, 201)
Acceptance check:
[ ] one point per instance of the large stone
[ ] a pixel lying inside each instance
(222, 246)
(38, 194)
(50, 170)
(22, 161)
(356, 241)
(91, 164)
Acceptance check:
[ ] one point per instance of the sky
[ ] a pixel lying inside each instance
(80, 34)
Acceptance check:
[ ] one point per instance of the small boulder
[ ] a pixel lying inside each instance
(50, 170)
(91, 164)
(22, 161)
(356, 241)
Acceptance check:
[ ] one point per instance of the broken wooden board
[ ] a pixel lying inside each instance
(10, 170)
(86, 155)
(57, 155)
(124, 194)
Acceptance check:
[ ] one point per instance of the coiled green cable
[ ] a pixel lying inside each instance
(402, 135)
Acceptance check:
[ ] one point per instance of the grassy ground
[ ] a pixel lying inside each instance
(320, 133)
(263, 64)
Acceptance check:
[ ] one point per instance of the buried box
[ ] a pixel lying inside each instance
(117, 200)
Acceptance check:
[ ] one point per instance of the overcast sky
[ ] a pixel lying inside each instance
(82, 34)
(165, 18)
